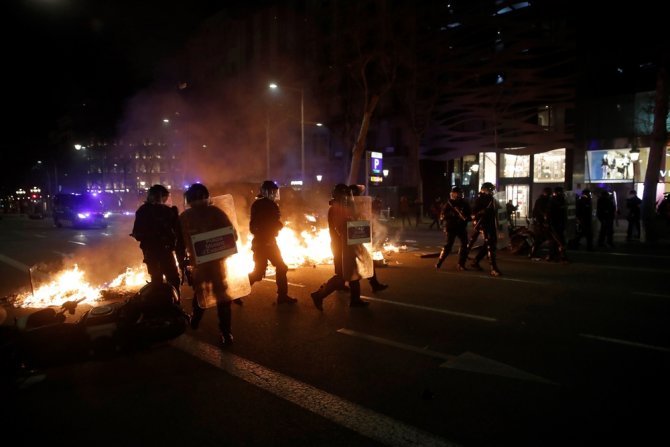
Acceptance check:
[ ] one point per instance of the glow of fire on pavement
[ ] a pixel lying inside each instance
(298, 249)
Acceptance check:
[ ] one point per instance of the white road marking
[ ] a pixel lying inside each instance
(432, 309)
(467, 361)
(340, 411)
(39, 235)
(77, 242)
(497, 278)
(395, 344)
(14, 263)
(626, 342)
(290, 283)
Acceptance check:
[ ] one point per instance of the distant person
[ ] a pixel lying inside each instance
(510, 209)
(455, 214)
(265, 224)
(157, 229)
(540, 215)
(663, 210)
(208, 279)
(435, 209)
(344, 255)
(605, 212)
(558, 219)
(584, 216)
(633, 204)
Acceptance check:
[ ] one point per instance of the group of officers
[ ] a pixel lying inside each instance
(455, 215)
(165, 234)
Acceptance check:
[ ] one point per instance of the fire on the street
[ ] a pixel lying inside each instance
(298, 249)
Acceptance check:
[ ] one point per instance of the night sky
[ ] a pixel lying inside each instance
(90, 56)
(61, 56)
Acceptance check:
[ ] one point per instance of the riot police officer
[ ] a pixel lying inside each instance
(357, 190)
(455, 214)
(558, 219)
(265, 224)
(484, 212)
(208, 279)
(339, 213)
(584, 215)
(157, 229)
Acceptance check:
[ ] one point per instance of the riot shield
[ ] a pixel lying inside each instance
(213, 247)
(236, 275)
(357, 260)
(502, 225)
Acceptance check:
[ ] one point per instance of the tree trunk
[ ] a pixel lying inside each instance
(656, 155)
(414, 166)
(359, 147)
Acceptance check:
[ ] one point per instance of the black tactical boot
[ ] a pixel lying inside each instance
(443, 256)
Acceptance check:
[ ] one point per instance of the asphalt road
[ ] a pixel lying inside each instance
(548, 354)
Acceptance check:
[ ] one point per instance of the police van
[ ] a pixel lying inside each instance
(79, 211)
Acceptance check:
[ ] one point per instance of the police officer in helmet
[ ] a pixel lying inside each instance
(265, 224)
(339, 213)
(157, 229)
(484, 212)
(456, 214)
(208, 279)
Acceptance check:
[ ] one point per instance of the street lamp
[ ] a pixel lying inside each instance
(302, 126)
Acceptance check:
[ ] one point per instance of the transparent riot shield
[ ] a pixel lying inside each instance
(502, 225)
(237, 276)
(357, 257)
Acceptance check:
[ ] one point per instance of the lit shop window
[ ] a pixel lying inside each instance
(616, 165)
(549, 167)
(515, 166)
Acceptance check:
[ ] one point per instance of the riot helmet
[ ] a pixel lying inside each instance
(270, 190)
(586, 192)
(157, 194)
(357, 190)
(196, 192)
(457, 189)
(488, 188)
(341, 192)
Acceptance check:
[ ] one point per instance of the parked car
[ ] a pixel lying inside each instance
(79, 211)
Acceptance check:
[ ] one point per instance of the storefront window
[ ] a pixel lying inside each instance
(515, 166)
(615, 165)
(487, 167)
(549, 167)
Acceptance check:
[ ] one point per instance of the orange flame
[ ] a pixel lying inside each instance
(298, 249)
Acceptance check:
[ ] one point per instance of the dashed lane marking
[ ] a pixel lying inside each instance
(467, 361)
(432, 309)
(481, 275)
(340, 411)
(14, 263)
(626, 342)
(77, 242)
(290, 283)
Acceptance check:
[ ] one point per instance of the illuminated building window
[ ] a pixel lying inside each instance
(549, 167)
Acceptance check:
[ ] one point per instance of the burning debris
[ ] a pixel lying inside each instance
(300, 249)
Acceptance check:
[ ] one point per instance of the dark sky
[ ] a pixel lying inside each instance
(64, 55)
